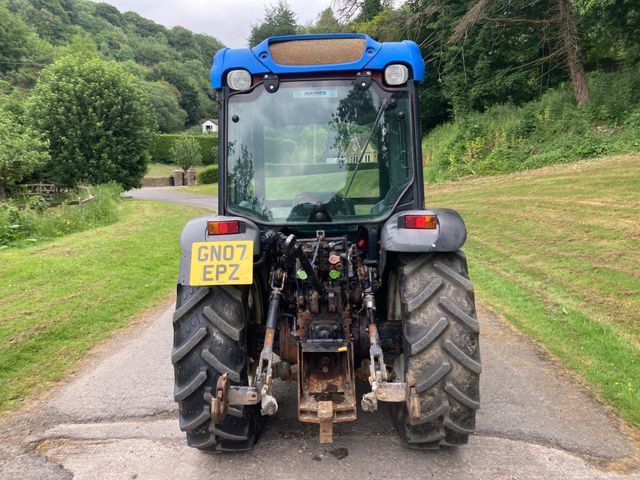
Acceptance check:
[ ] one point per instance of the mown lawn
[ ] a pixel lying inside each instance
(60, 299)
(209, 189)
(557, 251)
(160, 170)
(365, 184)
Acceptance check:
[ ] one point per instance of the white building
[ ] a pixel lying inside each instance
(210, 125)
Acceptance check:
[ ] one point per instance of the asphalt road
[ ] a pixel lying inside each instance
(116, 419)
(173, 194)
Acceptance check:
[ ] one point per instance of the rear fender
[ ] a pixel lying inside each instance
(448, 236)
(196, 231)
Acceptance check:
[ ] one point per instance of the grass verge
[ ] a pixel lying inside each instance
(60, 299)
(557, 252)
(210, 189)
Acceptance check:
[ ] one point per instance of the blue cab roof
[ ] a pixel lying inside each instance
(375, 56)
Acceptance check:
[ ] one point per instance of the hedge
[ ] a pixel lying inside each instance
(162, 143)
(208, 175)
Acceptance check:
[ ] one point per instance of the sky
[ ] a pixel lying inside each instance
(229, 21)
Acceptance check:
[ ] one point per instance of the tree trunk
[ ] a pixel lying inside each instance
(3, 197)
(570, 44)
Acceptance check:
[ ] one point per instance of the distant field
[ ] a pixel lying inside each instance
(365, 184)
(160, 170)
(557, 251)
(60, 299)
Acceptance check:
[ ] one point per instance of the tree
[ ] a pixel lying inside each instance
(610, 33)
(21, 152)
(571, 51)
(109, 13)
(149, 52)
(326, 23)
(208, 48)
(178, 74)
(98, 122)
(13, 38)
(182, 39)
(164, 100)
(558, 13)
(361, 10)
(186, 153)
(369, 9)
(142, 26)
(278, 20)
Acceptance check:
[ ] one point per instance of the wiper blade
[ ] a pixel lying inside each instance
(381, 109)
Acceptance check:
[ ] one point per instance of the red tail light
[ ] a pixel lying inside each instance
(420, 222)
(223, 228)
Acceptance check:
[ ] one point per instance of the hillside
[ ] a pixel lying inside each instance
(557, 251)
(171, 65)
(546, 131)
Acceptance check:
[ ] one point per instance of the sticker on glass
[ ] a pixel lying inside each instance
(315, 93)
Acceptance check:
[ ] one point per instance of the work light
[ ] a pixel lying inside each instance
(396, 74)
(239, 79)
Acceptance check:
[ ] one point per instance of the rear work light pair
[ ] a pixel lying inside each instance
(412, 222)
(395, 74)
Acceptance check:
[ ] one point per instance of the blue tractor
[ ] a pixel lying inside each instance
(323, 267)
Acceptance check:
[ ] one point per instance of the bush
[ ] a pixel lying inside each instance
(21, 151)
(547, 131)
(37, 203)
(208, 175)
(162, 144)
(186, 153)
(96, 119)
(9, 223)
(35, 222)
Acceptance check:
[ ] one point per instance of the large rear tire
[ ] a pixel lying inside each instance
(210, 339)
(432, 295)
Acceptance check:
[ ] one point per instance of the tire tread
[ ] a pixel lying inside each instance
(209, 340)
(441, 354)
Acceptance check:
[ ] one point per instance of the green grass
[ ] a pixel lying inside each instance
(60, 299)
(210, 189)
(557, 251)
(365, 184)
(160, 170)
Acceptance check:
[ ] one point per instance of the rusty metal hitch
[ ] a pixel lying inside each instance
(267, 360)
(231, 395)
(381, 388)
(226, 394)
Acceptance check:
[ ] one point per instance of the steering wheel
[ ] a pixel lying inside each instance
(339, 204)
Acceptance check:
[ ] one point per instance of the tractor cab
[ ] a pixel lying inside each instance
(319, 129)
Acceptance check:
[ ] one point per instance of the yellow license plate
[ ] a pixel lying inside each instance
(222, 263)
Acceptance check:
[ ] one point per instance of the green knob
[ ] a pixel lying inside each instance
(334, 274)
(302, 275)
